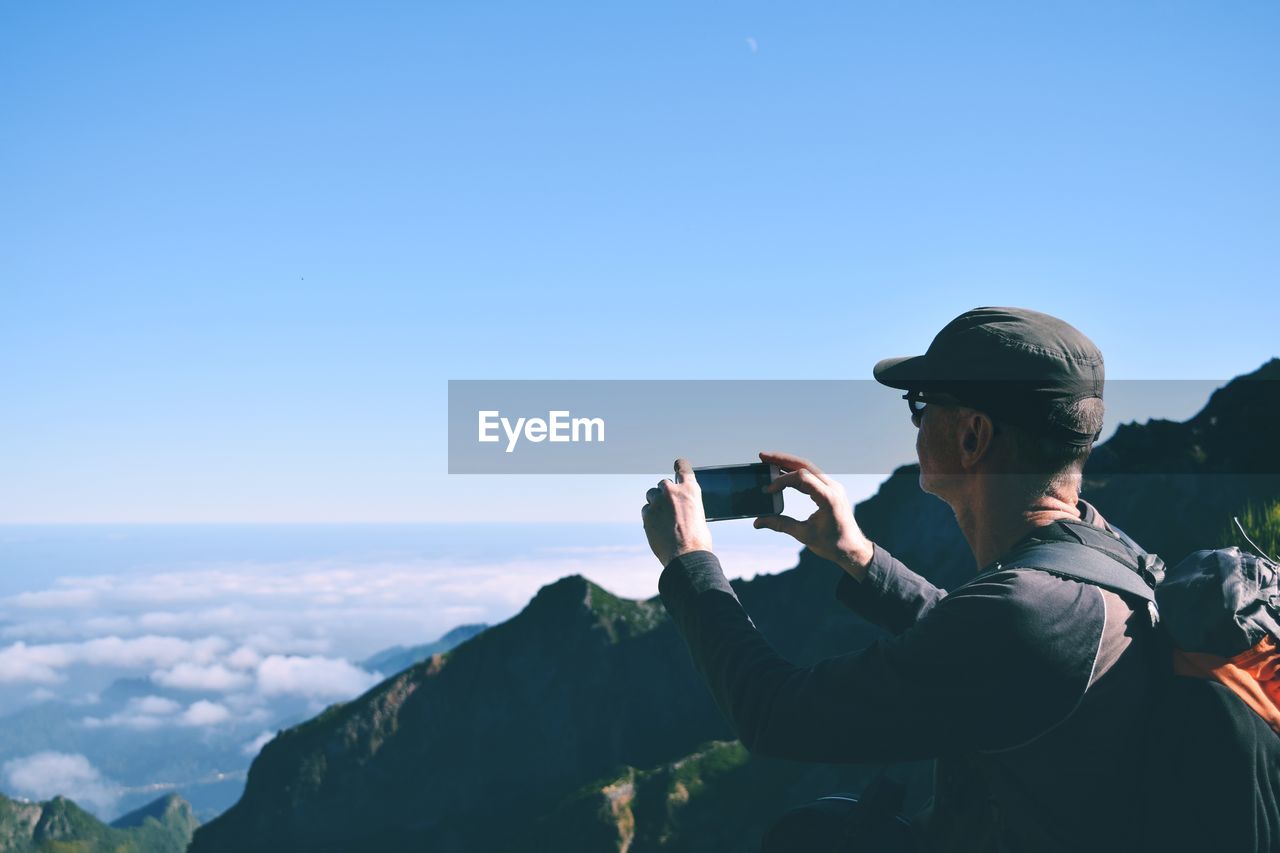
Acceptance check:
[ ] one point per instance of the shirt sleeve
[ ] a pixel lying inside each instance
(971, 674)
(891, 595)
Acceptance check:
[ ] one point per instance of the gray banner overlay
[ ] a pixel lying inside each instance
(640, 426)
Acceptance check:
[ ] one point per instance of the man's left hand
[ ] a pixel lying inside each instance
(673, 517)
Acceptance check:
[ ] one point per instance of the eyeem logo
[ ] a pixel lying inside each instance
(558, 427)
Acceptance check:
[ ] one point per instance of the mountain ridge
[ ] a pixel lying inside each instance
(397, 658)
(165, 825)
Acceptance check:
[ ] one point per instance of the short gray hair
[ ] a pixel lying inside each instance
(1059, 462)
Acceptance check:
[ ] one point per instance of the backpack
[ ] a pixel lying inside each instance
(1212, 774)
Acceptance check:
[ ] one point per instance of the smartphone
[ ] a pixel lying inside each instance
(737, 491)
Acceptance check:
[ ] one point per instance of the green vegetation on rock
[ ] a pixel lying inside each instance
(1261, 521)
(624, 617)
(719, 797)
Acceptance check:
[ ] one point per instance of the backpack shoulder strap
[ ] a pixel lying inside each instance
(1088, 554)
(1082, 563)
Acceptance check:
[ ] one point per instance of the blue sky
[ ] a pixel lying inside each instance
(245, 245)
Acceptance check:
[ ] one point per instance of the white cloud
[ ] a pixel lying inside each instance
(100, 626)
(37, 664)
(41, 663)
(62, 628)
(253, 747)
(243, 704)
(56, 597)
(145, 712)
(753, 44)
(43, 775)
(213, 677)
(151, 712)
(311, 606)
(596, 550)
(254, 636)
(151, 649)
(279, 640)
(313, 677)
(244, 657)
(155, 705)
(206, 619)
(205, 713)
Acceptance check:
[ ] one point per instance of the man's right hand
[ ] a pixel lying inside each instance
(830, 532)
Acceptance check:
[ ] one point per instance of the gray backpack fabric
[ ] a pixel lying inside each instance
(1221, 602)
(1213, 764)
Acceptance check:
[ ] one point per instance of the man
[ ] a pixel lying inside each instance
(1028, 688)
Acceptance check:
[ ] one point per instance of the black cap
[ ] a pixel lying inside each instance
(1012, 363)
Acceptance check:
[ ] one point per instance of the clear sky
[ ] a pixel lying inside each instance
(244, 245)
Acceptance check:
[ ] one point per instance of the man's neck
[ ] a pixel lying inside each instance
(993, 522)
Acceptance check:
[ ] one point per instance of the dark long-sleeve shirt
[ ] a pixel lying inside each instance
(1029, 689)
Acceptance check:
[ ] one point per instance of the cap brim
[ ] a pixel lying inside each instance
(905, 372)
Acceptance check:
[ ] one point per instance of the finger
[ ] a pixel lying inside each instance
(791, 462)
(802, 480)
(781, 523)
(652, 495)
(684, 472)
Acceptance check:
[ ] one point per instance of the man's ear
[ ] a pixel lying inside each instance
(976, 433)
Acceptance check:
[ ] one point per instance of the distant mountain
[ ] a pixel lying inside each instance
(397, 658)
(581, 725)
(164, 826)
(207, 766)
(169, 810)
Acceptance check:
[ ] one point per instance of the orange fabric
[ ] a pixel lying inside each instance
(1253, 675)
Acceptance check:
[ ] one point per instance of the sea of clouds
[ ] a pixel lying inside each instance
(220, 655)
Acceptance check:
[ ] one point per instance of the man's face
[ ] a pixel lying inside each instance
(926, 452)
(936, 448)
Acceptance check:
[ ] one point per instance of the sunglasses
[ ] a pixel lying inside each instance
(917, 401)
